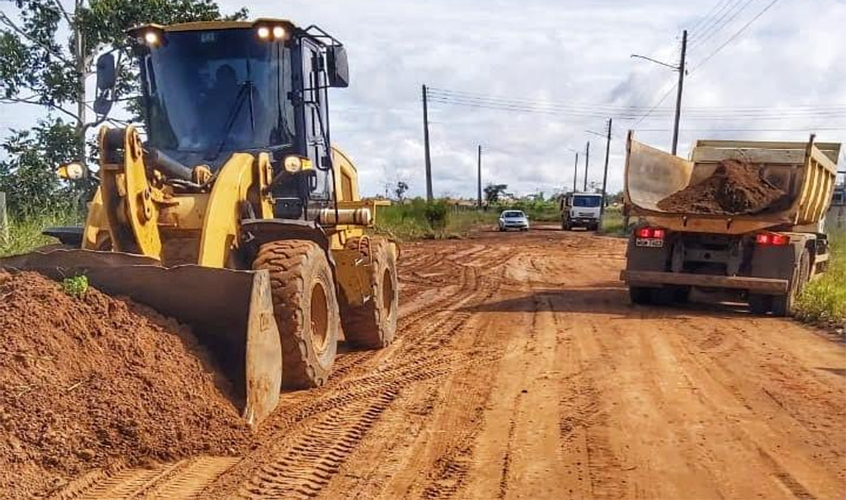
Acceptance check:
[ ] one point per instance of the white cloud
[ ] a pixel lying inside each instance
(558, 51)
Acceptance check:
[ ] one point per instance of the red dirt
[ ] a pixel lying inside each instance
(95, 381)
(734, 188)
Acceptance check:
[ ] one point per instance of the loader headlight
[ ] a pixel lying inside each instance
(71, 171)
(293, 164)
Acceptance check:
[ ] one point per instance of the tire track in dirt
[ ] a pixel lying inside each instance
(417, 356)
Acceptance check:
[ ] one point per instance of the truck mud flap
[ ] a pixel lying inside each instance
(230, 312)
(766, 286)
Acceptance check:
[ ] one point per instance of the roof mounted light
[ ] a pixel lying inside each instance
(151, 38)
(273, 29)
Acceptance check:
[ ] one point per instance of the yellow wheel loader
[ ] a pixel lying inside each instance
(231, 211)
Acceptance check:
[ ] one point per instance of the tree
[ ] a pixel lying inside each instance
(493, 192)
(37, 68)
(400, 190)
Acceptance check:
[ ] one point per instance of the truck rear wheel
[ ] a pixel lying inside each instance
(305, 307)
(760, 304)
(373, 324)
(640, 294)
(783, 304)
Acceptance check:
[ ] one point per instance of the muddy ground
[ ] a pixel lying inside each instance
(522, 371)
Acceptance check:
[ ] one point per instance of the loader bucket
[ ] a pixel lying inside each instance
(229, 311)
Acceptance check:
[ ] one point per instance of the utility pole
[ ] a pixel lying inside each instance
(479, 167)
(575, 171)
(429, 196)
(587, 163)
(681, 69)
(679, 96)
(605, 174)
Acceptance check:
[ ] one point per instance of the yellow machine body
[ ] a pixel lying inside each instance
(180, 253)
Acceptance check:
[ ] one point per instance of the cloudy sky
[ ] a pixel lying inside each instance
(569, 61)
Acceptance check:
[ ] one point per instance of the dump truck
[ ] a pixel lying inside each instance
(581, 210)
(742, 217)
(233, 212)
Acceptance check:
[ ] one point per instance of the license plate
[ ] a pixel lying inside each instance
(649, 242)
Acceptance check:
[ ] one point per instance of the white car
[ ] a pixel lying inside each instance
(513, 219)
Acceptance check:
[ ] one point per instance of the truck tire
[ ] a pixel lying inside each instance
(663, 296)
(373, 324)
(783, 304)
(760, 304)
(305, 306)
(640, 294)
(681, 294)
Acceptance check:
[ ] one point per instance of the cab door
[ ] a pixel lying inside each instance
(316, 119)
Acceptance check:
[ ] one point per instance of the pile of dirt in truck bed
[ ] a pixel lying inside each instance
(734, 188)
(95, 381)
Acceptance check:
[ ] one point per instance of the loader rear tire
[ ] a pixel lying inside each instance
(306, 309)
(373, 324)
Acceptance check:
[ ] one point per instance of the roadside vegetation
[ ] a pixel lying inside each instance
(25, 230)
(613, 222)
(418, 220)
(823, 302)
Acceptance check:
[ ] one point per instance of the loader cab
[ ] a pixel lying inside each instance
(212, 89)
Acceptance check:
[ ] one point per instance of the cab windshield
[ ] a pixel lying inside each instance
(587, 201)
(218, 91)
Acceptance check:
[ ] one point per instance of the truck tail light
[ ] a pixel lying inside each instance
(772, 239)
(651, 232)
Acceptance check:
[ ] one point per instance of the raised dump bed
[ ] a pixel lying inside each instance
(803, 172)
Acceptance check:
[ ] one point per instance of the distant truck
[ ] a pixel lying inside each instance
(835, 220)
(765, 256)
(581, 210)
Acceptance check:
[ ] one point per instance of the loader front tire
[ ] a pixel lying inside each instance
(306, 309)
(372, 325)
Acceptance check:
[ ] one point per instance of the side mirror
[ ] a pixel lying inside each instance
(106, 73)
(338, 71)
(106, 81)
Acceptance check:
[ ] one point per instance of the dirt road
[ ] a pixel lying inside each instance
(522, 371)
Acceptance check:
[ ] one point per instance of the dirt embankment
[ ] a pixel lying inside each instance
(734, 188)
(94, 381)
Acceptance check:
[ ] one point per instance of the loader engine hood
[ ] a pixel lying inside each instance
(208, 93)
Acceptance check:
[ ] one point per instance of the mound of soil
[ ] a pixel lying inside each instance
(94, 381)
(734, 188)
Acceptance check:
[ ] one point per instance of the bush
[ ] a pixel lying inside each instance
(823, 301)
(436, 214)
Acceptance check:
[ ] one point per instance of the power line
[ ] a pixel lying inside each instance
(660, 101)
(806, 129)
(735, 35)
(628, 112)
(729, 16)
(706, 18)
(715, 18)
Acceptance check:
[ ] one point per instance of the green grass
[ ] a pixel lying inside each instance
(25, 233)
(613, 222)
(417, 220)
(823, 301)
